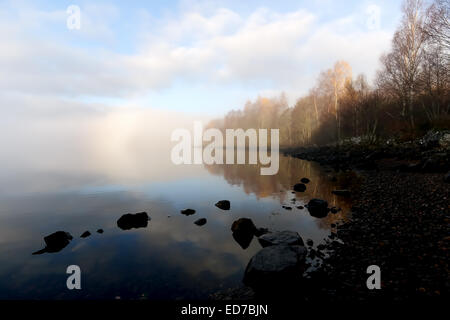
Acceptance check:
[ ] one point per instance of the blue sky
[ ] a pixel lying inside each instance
(189, 56)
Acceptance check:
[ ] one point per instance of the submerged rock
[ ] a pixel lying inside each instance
(318, 208)
(300, 187)
(287, 207)
(55, 242)
(200, 222)
(188, 212)
(304, 180)
(275, 266)
(100, 231)
(85, 234)
(129, 221)
(280, 237)
(223, 204)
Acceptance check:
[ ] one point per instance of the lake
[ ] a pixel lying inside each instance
(172, 258)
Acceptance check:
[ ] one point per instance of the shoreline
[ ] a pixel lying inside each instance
(400, 221)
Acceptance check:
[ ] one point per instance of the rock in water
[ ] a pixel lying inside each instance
(85, 234)
(244, 231)
(188, 212)
(223, 204)
(344, 193)
(129, 221)
(243, 239)
(55, 242)
(304, 180)
(243, 225)
(300, 187)
(318, 208)
(200, 222)
(100, 231)
(280, 237)
(275, 266)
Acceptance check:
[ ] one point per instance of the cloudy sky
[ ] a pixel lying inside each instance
(190, 56)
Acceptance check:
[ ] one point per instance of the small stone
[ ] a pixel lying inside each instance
(223, 204)
(300, 187)
(188, 212)
(85, 234)
(200, 222)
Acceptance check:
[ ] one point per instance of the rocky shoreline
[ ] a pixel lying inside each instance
(400, 222)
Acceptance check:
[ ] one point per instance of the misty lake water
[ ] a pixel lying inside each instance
(172, 258)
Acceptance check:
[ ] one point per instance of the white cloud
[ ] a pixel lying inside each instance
(279, 51)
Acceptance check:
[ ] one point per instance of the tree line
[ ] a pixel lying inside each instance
(409, 96)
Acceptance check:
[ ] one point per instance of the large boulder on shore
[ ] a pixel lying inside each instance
(318, 208)
(280, 237)
(275, 266)
(129, 221)
(223, 204)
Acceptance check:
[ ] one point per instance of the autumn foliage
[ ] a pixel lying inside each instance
(409, 96)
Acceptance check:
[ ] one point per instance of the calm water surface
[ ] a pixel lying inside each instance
(170, 259)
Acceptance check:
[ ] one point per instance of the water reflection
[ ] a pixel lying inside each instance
(169, 258)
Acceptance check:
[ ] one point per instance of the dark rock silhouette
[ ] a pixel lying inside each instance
(100, 231)
(188, 212)
(304, 180)
(287, 207)
(129, 221)
(243, 225)
(275, 267)
(279, 238)
(243, 239)
(344, 193)
(300, 187)
(223, 204)
(85, 234)
(55, 242)
(243, 231)
(318, 208)
(200, 222)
